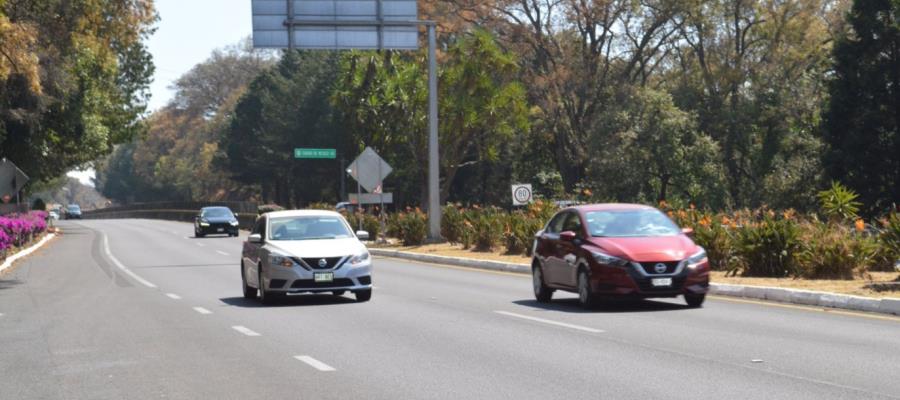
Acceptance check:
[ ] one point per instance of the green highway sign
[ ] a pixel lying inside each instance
(315, 153)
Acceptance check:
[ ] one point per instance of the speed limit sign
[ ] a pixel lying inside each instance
(521, 194)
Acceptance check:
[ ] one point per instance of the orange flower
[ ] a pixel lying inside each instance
(587, 192)
(705, 221)
(682, 214)
(860, 225)
(693, 206)
(789, 213)
(670, 214)
(663, 204)
(725, 220)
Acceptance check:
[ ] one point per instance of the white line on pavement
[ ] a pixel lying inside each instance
(173, 296)
(122, 267)
(547, 321)
(244, 330)
(202, 310)
(312, 362)
(200, 244)
(1, 314)
(222, 252)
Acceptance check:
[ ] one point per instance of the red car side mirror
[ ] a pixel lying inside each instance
(689, 232)
(567, 236)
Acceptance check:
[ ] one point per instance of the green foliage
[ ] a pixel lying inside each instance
(486, 227)
(839, 203)
(860, 124)
(767, 247)
(832, 251)
(74, 80)
(889, 243)
(453, 223)
(370, 223)
(411, 227)
(39, 205)
(267, 208)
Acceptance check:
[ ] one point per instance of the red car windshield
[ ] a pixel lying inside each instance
(630, 223)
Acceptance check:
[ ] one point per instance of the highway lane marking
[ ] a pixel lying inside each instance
(312, 362)
(849, 313)
(245, 330)
(200, 244)
(122, 267)
(547, 321)
(222, 253)
(202, 310)
(173, 296)
(837, 311)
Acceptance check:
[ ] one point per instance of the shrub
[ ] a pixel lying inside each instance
(767, 247)
(453, 223)
(321, 206)
(831, 251)
(411, 227)
(487, 226)
(839, 202)
(716, 239)
(888, 243)
(370, 223)
(515, 235)
(39, 205)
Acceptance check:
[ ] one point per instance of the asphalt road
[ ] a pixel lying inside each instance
(160, 315)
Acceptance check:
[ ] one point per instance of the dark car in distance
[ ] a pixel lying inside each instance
(215, 220)
(73, 211)
(618, 250)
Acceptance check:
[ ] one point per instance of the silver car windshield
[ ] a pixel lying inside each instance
(308, 228)
(630, 223)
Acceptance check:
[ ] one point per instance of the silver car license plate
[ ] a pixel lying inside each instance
(661, 282)
(220, 230)
(324, 277)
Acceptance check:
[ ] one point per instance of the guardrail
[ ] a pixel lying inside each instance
(175, 211)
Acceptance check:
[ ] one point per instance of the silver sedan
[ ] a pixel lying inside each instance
(305, 251)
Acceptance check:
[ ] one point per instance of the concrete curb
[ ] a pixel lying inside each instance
(783, 295)
(11, 259)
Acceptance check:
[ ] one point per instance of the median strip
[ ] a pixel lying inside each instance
(312, 362)
(245, 330)
(549, 322)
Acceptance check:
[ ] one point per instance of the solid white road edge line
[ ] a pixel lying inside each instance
(547, 321)
(222, 253)
(202, 310)
(245, 330)
(123, 267)
(173, 296)
(312, 362)
(9, 261)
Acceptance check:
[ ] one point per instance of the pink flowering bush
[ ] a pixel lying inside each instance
(19, 229)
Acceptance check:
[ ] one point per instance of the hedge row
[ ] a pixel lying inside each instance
(17, 230)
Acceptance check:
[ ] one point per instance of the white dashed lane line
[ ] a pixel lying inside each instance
(549, 322)
(312, 362)
(202, 310)
(200, 244)
(222, 252)
(173, 296)
(123, 267)
(245, 330)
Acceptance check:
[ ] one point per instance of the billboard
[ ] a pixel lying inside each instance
(336, 24)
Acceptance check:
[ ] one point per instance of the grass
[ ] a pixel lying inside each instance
(852, 287)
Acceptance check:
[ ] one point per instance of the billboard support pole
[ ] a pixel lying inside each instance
(290, 26)
(434, 201)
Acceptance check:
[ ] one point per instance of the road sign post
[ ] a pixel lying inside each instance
(367, 24)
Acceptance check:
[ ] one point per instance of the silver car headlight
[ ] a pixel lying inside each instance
(697, 258)
(607, 259)
(360, 258)
(234, 223)
(282, 260)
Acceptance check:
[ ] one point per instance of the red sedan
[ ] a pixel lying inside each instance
(624, 250)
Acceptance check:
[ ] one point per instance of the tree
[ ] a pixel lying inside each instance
(284, 108)
(73, 80)
(658, 154)
(482, 107)
(862, 124)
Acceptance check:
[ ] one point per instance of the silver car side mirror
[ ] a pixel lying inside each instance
(255, 238)
(362, 235)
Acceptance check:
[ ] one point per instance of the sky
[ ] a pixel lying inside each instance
(187, 32)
